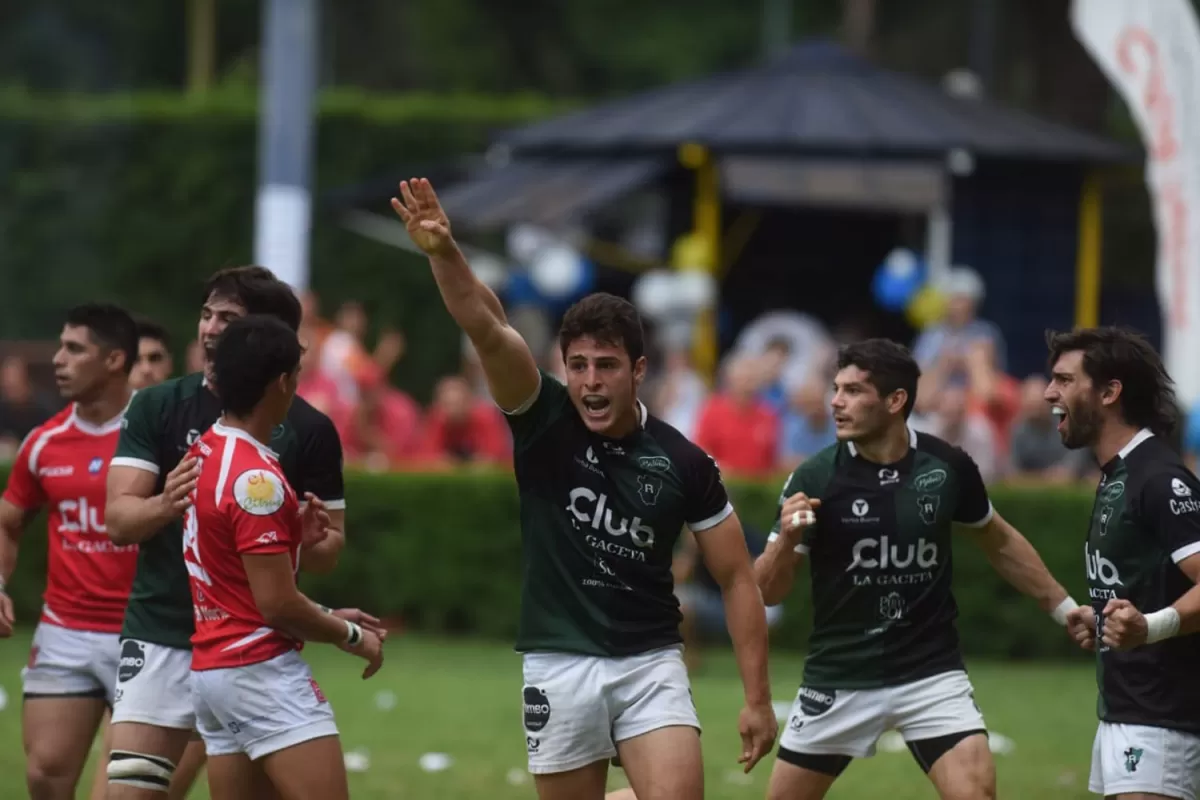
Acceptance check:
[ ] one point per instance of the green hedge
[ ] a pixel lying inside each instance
(137, 198)
(442, 552)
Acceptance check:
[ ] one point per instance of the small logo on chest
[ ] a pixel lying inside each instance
(927, 507)
(1106, 514)
(648, 489)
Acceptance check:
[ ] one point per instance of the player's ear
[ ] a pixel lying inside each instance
(896, 401)
(1111, 393)
(639, 371)
(115, 359)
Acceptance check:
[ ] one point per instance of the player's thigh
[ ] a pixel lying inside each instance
(583, 783)
(99, 790)
(664, 764)
(655, 726)
(58, 733)
(935, 715)
(567, 721)
(964, 770)
(793, 782)
(232, 777)
(311, 770)
(1133, 760)
(188, 768)
(142, 760)
(154, 688)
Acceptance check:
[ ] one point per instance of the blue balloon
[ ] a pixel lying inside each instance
(520, 290)
(897, 279)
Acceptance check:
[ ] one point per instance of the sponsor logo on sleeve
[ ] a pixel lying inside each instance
(258, 492)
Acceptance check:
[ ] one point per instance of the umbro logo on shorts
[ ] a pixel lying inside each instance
(537, 709)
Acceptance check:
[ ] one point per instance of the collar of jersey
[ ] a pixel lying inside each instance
(1137, 439)
(103, 428)
(238, 433)
(912, 442)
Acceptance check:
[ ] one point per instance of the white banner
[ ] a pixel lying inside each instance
(1150, 51)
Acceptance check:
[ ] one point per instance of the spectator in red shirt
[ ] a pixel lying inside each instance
(461, 427)
(736, 427)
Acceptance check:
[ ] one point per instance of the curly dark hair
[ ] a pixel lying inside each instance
(606, 318)
(889, 366)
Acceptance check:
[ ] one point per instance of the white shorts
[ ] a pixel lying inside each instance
(70, 663)
(261, 708)
(154, 686)
(576, 708)
(1139, 758)
(849, 722)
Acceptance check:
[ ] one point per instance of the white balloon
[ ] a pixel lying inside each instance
(695, 291)
(654, 293)
(556, 271)
(524, 241)
(490, 271)
(901, 263)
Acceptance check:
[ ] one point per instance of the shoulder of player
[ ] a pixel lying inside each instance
(303, 417)
(942, 450)
(1155, 470)
(681, 450)
(45, 433)
(169, 393)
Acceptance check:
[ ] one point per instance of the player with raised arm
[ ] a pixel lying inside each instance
(61, 467)
(255, 697)
(874, 515)
(605, 489)
(148, 487)
(1142, 556)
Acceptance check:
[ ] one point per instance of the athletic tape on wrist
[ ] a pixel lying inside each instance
(1059, 614)
(1162, 624)
(354, 634)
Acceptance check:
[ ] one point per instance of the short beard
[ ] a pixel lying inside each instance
(1083, 427)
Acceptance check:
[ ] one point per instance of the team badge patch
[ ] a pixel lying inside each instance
(258, 492)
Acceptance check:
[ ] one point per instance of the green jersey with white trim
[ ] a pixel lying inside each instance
(599, 522)
(880, 560)
(1145, 520)
(161, 424)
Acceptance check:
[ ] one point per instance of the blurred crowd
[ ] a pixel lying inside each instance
(767, 412)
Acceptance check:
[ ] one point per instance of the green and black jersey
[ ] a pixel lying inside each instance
(1145, 520)
(161, 424)
(880, 560)
(599, 521)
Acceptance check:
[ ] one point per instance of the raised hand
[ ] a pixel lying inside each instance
(423, 216)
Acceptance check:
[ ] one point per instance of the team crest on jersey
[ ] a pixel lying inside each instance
(927, 507)
(648, 489)
(1105, 517)
(1112, 491)
(258, 492)
(654, 463)
(95, 465)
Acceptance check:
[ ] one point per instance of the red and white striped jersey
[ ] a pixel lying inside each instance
(242, 505)
(62, 466)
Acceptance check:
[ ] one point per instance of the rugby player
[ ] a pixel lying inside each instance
(1142, 555)
(148, 488)
(154, 363)
(873, 516)
(255, 697)
(605, 490)
(62, 466)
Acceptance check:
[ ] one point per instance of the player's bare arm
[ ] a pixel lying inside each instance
(285, 608)
(1126, 627)
(775, 569)
(13, 521)
(510, 366)
(723, 548)
(134, 512)
(1015, 560)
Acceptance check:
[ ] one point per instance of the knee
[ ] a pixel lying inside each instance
(43, 772)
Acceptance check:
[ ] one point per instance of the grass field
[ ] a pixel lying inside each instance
(462, 699)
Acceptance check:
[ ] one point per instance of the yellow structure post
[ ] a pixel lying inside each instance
(202, 44)
(1087, 265)
(706, 233)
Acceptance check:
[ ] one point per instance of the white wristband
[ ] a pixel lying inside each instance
(1162, 624)
(354, 634)
(1059, 614)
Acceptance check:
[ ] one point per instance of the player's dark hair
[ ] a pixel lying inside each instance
(251, 353)
(257, 290)
(109, 326)
(149, 329)
(889, 367)
(608, 319)
(1119, 354)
